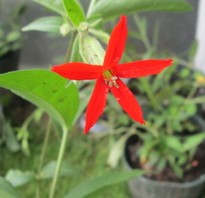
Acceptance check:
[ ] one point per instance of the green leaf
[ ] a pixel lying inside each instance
(6, 190)
(74, 12)
(174, 143)
(55, 6)
(47, 171)
(95, 184)
(47, 90)
(45, 24)
(13, 36)
(19, 178)
(116, 151)
(11, 141)
(193, 141)
(108, 9)
(91, 50)
(103, 36)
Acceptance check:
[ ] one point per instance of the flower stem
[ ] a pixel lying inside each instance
(70, 44)
(45, 143)
(59, 162)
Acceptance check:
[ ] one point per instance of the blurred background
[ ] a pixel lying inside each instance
(177, 33)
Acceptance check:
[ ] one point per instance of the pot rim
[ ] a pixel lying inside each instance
(186, 184)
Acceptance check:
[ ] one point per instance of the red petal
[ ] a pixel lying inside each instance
(116, 44)
(141, 68)
(78, 71)
(128, 101)
(96, 104)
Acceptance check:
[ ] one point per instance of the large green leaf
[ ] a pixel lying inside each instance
(45, 24)
(6, 190)
(53, 5)
(74, 11)
(47, 90)
(95, 184)
(107, 8)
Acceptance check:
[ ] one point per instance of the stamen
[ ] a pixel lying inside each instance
(110, 80)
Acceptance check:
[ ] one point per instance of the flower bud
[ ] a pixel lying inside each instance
(65, 29)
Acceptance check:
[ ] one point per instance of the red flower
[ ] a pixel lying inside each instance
(107, 77)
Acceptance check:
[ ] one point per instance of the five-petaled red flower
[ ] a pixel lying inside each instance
(107, 77)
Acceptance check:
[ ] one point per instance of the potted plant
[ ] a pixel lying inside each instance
(170, 146)
(10, 38)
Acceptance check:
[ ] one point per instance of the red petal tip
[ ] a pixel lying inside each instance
(85, 132)
(123, 17)
(170, 61)
(52, 69)
(142, 122)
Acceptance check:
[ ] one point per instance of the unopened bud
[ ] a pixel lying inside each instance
(65, 29)
(83, 26)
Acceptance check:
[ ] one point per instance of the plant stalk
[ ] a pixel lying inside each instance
(59, 162)
(42, 156)
(45, 143)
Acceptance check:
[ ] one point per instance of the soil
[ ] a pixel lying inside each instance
(197, 169)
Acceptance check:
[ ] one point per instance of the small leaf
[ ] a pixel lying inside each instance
(193, 141)
(6, 190)
(103, 36)
(47, 90)
(95, 184)
(13, 36)
(108, 9)
(74, 12)
(116, 152)
(47, 171)
(193, 49)
(91, 50)
(45, 24)
(11, 141)
(19, 178)
(174, 143)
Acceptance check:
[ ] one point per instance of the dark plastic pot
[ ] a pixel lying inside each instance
(9, 62)
(143, 187)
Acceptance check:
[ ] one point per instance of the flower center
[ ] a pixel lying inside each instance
(110, 80)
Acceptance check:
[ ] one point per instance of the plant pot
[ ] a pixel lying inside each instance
(144, 187)
(8, 62)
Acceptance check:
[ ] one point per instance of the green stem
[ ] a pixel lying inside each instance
(70, 44)
(59, 162)
(45, 143)
(143, 32)
(197, 100)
